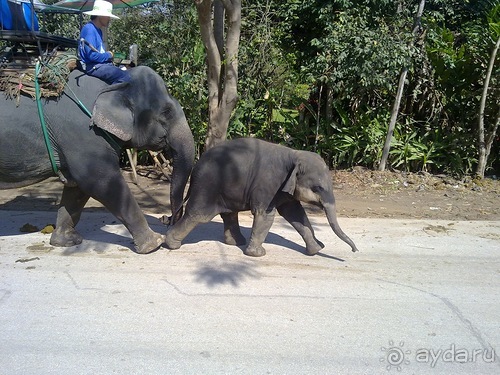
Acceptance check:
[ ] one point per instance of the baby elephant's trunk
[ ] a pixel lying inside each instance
(334, 224)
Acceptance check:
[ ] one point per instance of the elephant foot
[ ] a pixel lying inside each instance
(236, 240)
(171, 242)
(151, 244)
(255, 251)
(315, 248)
(66, 238)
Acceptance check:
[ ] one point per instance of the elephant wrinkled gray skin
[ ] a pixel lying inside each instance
(251, 174)
(140, 114)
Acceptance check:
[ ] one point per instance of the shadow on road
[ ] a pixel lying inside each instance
(233, 273)
(225, 273)
(20, 203)
(214, 231)
(103, 229)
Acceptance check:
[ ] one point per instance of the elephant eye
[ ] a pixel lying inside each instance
(167, 111)
(317, 189)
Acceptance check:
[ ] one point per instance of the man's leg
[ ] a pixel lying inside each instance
(109, 73)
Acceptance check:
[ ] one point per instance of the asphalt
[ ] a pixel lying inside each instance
(421, 297)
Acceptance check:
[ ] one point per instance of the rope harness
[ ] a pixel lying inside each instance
(59, 76)
(41, 116)
(42, 119)
(16, 79)
(47, 79)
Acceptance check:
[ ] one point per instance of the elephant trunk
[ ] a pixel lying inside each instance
(183, 153)
(334, 224)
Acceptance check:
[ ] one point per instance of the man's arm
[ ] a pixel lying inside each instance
(93, 38)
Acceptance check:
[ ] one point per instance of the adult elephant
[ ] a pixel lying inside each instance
(86, 151)
(251, 174)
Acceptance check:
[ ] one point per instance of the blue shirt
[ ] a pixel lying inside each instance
(93, 35)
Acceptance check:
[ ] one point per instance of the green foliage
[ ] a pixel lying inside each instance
(357, 49)
(358, 143)
(66, 25)
(359, 55)
(268, 87)
(168, 38)
(459, 55)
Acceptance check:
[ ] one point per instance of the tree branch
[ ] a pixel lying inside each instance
(399, 94)
(483, 147)
(204, 8)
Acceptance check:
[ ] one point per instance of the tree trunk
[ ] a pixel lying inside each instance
(394, 117)
(485, 145)
(222, 62)
(399, 94)
(318, 117)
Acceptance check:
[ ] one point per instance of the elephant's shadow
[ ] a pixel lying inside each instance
(213, 231)
(91, 228)
(31, 204)
(102, 238)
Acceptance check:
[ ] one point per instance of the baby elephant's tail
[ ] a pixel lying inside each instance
(167, 220)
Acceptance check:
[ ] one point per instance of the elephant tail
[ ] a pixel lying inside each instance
(167, 220)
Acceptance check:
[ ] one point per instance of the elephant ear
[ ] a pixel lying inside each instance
(291, 181)
(112, 112)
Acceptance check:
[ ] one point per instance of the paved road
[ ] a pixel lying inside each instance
(421, 297)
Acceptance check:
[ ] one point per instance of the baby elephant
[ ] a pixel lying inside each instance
(251, 174)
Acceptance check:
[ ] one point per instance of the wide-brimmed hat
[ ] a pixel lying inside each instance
(101, 8)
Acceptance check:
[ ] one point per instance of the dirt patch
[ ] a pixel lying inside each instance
(359, 193)
(365, 193)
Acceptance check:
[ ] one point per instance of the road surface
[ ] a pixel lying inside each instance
(421, 297)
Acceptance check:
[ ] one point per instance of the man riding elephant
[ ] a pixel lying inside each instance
(95, 60)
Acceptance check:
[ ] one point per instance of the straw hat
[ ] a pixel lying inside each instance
(101, 8)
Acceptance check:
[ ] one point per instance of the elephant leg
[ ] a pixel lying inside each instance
(113, 192)
(262, 222)
(294, 213)
(128, 211)
(232, 232)
(179, 231)
(147, 240)
(72, 202)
